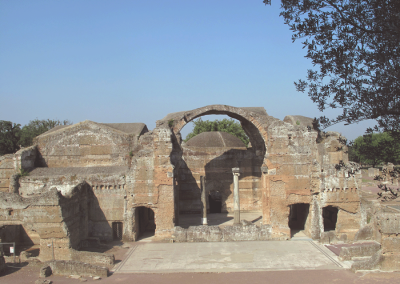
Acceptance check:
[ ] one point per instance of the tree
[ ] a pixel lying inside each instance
(224, 125)
(9, 137)
(355, 47)
(36, 127)
(375, 148)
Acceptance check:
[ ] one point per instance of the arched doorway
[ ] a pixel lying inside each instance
(251, 158)
(145, 225)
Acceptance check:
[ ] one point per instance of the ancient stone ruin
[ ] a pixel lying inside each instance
(97, 181)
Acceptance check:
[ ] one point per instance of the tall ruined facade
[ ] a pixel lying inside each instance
(113, 180)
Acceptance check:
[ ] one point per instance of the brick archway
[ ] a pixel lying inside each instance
(251, 119)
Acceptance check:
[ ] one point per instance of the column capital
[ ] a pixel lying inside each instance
(236, 171)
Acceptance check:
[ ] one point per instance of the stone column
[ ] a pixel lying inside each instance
(203, 200)
(236, 200)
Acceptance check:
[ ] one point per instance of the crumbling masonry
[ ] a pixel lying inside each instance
(112, 181)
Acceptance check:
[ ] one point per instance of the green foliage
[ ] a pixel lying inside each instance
(36, 127)
(297, 122)
(12, 137)
(375, 148)
(23, 173)
(131, 154)
(224, 125)
(9, 137)
(171, 122)
(355, 50)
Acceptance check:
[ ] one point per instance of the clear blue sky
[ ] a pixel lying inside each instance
(137, 61)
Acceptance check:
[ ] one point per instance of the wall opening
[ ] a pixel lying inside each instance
(24, 238)
(117, 230)
(145, 223)
(214, 156)
(215, 202)
(298, 217)
(329, 215)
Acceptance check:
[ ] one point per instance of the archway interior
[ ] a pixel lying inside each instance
(329, 215)
(24, 239)
(145, 222)
(298, 217)
(256, 140)
(215, 202)
(216, 163)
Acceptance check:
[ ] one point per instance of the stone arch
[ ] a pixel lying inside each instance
(253, 121)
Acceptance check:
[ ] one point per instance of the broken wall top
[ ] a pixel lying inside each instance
(215, 139)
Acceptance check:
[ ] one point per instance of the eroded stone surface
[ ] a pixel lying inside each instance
(113, 181)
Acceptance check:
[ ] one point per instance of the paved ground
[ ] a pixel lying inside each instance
(329, 274)
(228, 257)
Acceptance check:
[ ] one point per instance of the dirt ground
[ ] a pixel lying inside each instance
(29, 274)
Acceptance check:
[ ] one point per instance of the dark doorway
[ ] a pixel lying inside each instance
(329, 214)
(23, 238)
(145, 222)
(214, 200)
(117, 230)
(298, 216)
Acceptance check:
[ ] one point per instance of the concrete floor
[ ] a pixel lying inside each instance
(228, 257)
(148, 256)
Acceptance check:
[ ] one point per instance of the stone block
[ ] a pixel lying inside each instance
(365, 233)
(96, 258)
(335, 157)
(371, 263)
(239, 233)
(391, 244)
(328, 237)
(359, 250)
(389, 223)
(62, 267)
(179, 235)
(390, 262)
(100, 150)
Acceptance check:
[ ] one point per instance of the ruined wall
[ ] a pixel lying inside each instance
(12, 164)
(288, 163)
(389, 226)
(84, 144)
(382, 224)
(41, 215)
(216, 163)
(291, 154)
(150, 183)
(55, 222)
(7, 169)
(340, 185)
(105, 199)
(304, 167)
